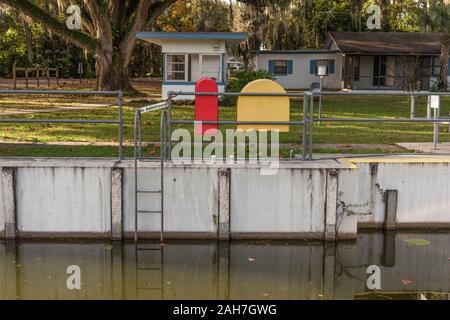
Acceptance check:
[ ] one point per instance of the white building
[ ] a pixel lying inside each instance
(297, 69)
(360, 61)
(189, 56)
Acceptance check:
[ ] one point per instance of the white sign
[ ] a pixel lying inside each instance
(322, 71)
(435, 102)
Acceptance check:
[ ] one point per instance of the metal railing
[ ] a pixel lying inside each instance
(301, 122)
(436, 120)
(306, 122)
(118, 121)
(164, 136)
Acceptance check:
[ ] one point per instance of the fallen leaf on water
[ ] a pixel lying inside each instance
(418, 242)
(251, 259)
(265, 294)
(406, 282)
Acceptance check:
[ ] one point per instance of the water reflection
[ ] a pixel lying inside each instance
(208, 270)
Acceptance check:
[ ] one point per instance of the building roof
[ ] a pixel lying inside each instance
(398, 43)
(158, 36)
(293, 51)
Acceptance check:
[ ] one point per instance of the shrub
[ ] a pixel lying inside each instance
(240, 79)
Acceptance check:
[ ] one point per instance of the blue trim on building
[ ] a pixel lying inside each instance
(224, 68)
(192, 35)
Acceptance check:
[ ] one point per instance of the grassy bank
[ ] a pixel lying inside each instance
(87, 107)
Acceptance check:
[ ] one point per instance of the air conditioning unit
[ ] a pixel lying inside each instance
(216, 45)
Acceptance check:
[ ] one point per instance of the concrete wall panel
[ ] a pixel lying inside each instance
(290, 201)
(63, 200)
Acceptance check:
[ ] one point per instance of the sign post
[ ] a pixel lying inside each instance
(435, 105)
(322, 68)
(80, 69)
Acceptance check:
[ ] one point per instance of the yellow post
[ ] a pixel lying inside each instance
(263, 108)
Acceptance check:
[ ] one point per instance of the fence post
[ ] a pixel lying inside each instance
(169, 129)
(48, 77)
(311, 124)
(26, 78)
(37, 76)
(435, 128)
(120, 102)
(14, 77)
(305, 121)
(57, 77)
(413, 106)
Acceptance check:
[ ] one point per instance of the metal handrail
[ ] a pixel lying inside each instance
(118, 122)
(138, 156)
(436, 120)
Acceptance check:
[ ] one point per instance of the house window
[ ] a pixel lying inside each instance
(280, 67)
(313, 66)
(176, 67)
(435, 66)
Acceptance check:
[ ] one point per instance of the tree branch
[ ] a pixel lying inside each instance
(38, 15)
(156, 9)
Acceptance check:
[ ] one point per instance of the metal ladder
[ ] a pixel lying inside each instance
(146, 268)
(138, 158)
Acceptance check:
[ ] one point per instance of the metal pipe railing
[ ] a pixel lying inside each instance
(303, 123)
(118, 122)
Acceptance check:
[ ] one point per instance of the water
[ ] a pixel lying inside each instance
(413, 266)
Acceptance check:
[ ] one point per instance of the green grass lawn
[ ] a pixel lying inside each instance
(326, 133)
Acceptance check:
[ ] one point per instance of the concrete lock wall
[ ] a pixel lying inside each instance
(315, 200)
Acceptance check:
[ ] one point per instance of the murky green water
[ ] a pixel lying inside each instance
(412, 266)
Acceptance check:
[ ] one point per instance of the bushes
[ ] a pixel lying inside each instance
(240, 79)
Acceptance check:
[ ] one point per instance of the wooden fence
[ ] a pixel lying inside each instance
(36, 74)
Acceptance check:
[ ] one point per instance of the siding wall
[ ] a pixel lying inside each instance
(301, 78)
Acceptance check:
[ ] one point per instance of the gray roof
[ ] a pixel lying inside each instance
(397, 43)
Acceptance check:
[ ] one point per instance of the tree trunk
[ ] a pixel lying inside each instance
(112, 66)
(28, 41)
(112, 71)
(443, 80)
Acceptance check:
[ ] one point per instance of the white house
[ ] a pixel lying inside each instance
(297, 69)
(360, 61)
(189, 56)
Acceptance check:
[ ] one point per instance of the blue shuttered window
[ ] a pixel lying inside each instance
(272, 66)
(331, 66)
(290, 67)
(313, 66)
(281, 67)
